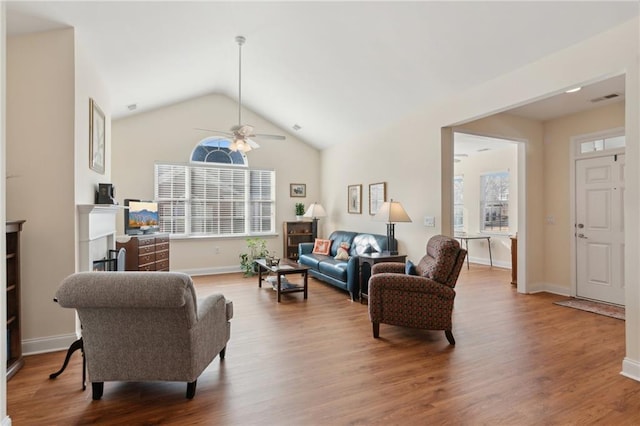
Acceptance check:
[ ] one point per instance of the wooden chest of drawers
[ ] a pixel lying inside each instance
(147, 252)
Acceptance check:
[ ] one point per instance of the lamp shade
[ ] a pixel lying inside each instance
(315, 210)
(392, 212)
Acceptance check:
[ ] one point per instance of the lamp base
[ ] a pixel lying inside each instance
(393, 253)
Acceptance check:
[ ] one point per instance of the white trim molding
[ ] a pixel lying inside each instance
(631, 369)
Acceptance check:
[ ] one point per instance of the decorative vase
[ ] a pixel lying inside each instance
(299, 217)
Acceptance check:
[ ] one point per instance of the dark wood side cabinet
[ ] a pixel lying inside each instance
(146, 252)
(294, 234)
(14, 336)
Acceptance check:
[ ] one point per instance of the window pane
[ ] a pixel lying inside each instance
(494, 203)
(617, 142)
(205, 200)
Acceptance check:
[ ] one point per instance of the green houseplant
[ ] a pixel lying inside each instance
(257, 250)
(299, 210)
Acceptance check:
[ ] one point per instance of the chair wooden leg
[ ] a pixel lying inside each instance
(223, 352)
(450, 338)
(376, 329)
(98, 389)
(191, 389)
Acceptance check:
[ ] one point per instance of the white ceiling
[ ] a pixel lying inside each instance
(340, 70)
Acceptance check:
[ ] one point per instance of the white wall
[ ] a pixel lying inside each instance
(168, 134)
(408, 157)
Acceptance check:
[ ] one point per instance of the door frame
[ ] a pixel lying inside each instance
(447, 146)
(574, 157)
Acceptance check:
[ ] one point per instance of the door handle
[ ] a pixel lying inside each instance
(582, 236)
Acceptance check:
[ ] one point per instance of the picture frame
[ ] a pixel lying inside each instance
(354, 199)
(96, 137)
(377, 196)
(297, 190)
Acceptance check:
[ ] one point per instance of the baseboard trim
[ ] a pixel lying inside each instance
(487, 262)
(631, 369)
(48, 344)
(549, 288)
(210, 271)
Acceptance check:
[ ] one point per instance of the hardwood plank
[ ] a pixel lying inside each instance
(519, 360)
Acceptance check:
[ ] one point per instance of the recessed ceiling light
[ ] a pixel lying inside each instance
(484, 149)
(296, 127)
(460, 155)
(132, 107)
(575, 89)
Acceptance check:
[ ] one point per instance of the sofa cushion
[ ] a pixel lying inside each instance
(334, 268)
(321, 246)
(339, 237)
(368, 243)
(312, 260)
(343, 252)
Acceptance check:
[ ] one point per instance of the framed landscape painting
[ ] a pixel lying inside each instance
(297, 190)
(377, 196)
(354, 199)
(96, 137)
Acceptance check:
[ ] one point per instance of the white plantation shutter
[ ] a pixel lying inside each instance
(261, 201)
(171, 194)
(214, 201)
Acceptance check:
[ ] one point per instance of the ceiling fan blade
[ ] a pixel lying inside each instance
(214, 131)
(278, 137)
(251, 143)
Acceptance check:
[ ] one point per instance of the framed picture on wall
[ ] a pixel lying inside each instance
(354, 199)
(297, 190)
(377, 196)
(96, 137)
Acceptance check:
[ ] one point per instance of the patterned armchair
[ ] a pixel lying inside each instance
(146, 326)
(423, 300)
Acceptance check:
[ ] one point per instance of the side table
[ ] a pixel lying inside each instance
(366, 262)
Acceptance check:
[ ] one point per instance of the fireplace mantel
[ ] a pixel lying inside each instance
(96, 233)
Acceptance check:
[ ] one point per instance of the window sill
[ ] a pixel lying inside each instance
(225, 237)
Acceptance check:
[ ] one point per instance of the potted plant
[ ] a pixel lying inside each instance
(299, 211)
(257, 250)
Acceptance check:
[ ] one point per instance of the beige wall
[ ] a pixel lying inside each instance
(40, 166)
(50, 81)
(3, 250)
(557, 191)
(471, 169)
(408, 157)
(168, 134)
(530, 178)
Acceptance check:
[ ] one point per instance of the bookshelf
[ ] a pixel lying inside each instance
(14, 336)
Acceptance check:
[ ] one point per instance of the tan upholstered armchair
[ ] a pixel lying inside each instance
(423, 300)
(146, 326)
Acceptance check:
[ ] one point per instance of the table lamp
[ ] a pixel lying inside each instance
(392, 212)
(315, 211)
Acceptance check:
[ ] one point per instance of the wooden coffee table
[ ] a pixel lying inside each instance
(285, 267)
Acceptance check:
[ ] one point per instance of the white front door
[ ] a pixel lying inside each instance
(600, 228)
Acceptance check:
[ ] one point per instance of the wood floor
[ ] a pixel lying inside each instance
(519, 360)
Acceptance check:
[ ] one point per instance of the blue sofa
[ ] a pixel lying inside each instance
(344, 274)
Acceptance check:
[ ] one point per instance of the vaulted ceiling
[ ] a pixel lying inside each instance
(339, 70)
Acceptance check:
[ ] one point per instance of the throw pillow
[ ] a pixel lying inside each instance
(343, 252)
(410, 268)
(321, 246)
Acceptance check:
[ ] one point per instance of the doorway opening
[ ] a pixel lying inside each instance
(485, 196)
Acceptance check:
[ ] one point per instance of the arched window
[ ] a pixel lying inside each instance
(216, 194)
(215, 149)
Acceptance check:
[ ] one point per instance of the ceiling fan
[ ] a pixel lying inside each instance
(241, 134)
